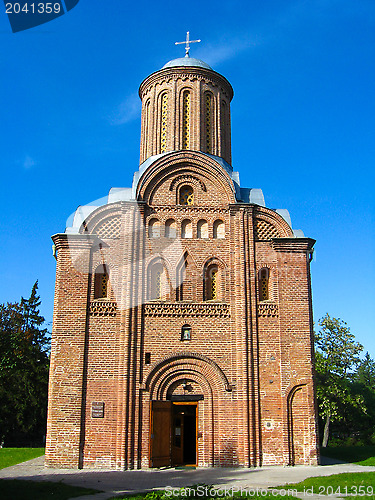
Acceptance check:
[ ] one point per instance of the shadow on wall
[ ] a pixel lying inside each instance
(228, 456)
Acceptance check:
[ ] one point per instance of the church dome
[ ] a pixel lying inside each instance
(186, 61)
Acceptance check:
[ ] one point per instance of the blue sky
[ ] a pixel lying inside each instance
(302, 125)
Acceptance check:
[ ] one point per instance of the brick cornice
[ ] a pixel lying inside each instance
(66, 240)
(299, 245)
(186, 72)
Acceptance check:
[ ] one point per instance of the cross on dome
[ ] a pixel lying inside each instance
(187, 43)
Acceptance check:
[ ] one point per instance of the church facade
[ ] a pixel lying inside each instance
(182, 330)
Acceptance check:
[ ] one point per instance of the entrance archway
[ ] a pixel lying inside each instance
(182, 390)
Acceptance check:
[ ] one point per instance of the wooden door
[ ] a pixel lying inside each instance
(160, 442)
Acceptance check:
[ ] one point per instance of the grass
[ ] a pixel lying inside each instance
(362, 455)
(357, 485)
(13, 456)
(18, 489)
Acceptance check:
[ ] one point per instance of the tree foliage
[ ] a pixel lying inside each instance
(344, 382)
(24, 363)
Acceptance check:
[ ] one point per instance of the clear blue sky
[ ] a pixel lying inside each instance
(302, 125)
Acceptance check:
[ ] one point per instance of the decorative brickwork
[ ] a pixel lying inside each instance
(267, 310)
(109, 229)
(187, 310)
(265, 231)
(103, 308)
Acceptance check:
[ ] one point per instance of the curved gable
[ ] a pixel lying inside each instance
(269, 224)
(161, 182)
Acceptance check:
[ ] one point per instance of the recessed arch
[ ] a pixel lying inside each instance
(154, 228)
(186, 229)
(170, 229)
(202, 229)
(193, 361)
(158, 282)
(219, 229)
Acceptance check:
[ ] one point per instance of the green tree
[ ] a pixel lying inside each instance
(365, 373)
(24, 363)
(363, 381)
(336, 357)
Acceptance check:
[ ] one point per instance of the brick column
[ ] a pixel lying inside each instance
(296, 335)
(67, 367)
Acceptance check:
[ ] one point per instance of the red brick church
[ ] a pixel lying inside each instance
(182, 328)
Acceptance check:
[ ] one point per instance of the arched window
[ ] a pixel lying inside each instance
(219, 229)
(186, 195)
(154, 228)
(101, 282)
(186, 229)
(163, 122)
(202, 229)
(212, 283)
(208, 121)
(146, 129)
(157, 278)
(170, 229)
(186, 120)
(224, 127)
(264, 275)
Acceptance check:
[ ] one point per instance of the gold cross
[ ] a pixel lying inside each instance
(187, 43)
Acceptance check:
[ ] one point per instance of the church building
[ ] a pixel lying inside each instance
(182, 331)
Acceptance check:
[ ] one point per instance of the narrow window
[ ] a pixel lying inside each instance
(154, 228)
(208, 121)
(264, 284)
(147, 358)
(170, 229)
(219, 229)
(186, 195)
(186, 229)
(156, 282)
(146, 129)
(158, 274)
(212, 283)
(224, 129)
(163, 123)
(186, 120)
(101, 283)
(186, 332)
(202, 229)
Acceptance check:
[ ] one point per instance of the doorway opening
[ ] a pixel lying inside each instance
(184, 433)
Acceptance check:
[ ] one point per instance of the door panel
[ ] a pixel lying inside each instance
(161, 418)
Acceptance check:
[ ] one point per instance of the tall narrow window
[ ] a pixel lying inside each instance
(158, 274)
(224, 127)
(101, 283)
(186, 196)
(186, 120)
(208, 121)
(156, 291)
(146, 129)
(163, 123)
(264, 284)
(212, 291)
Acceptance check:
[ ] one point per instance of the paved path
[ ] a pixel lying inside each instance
(117, 482)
